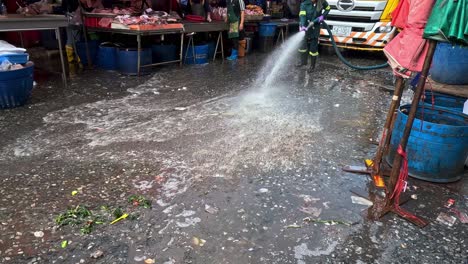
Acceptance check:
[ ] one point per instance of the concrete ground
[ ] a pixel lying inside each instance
(235, 174)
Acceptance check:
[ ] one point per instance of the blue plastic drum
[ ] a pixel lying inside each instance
(437, 147)
(450, 64)
(107, 57)
(445, 101)
(128, 61)
(267, 29)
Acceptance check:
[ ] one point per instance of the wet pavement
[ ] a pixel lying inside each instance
(235, 174)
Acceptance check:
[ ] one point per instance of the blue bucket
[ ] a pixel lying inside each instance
(93, 46)
(164, 53)
(267, 30)
(438, 151)
(211, 50)
(128, 61)
(16, 86)
(444, 101)
(201, 55)
(450, 64)
(107, 57)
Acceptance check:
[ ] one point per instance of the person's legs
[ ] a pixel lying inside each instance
(313, 48)
(235, 48)
(303, 52)
(313, 52)
(73, 61)
(235, 43)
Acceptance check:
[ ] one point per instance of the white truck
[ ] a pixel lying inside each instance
(360, 24)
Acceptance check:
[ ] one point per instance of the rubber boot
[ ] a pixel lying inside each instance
(233, 55)
(72, 63)
(313, 61)
(302, 61)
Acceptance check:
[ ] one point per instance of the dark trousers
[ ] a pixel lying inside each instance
(235, 41)
(310, 43)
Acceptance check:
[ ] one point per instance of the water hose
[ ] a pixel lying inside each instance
(342, 59)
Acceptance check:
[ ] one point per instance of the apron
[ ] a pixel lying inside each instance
(233, 22)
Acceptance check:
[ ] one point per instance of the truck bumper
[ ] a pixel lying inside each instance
(360, 40)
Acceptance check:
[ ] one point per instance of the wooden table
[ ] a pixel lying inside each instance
(18, 23)
(456, 90)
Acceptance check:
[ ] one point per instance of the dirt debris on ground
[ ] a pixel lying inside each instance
(225, 176)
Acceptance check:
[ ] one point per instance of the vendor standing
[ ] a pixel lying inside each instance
(314, 11)
(197, 7)
(235, 18)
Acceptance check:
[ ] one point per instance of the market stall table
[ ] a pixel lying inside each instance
(139, 34)
(283, 25)
(18, 23)
(214, 26)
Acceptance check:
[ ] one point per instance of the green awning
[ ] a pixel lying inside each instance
(448, 21)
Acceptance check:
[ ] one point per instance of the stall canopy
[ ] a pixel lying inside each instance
(448, 21)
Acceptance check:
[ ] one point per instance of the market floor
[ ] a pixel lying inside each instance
(235, 174)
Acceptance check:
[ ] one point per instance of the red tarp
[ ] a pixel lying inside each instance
(407, 51)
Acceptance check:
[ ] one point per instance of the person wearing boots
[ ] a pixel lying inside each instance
(311, 11)
(235, 18)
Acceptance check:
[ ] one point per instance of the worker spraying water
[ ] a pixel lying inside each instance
(313, 12)
(311, 18)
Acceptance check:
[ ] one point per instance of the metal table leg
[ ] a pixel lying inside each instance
(138, 54)
(59, 40)
(280, 35)
(216, 48)
(186, 50)
(181, 48)
(21, 39)
(194, 55)
(222, 45)
(88, 54)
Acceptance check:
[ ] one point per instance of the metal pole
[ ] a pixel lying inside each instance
(59, 41)
(409, 123)
(399, 87)
(138, 53)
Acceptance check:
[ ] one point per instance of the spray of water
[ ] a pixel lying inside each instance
(278, 61)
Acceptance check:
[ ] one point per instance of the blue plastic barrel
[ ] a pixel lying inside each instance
(93, 46)
(107, 56)
(128, 61)
(164, 53)
(16, 86)
(201, 55)
(437, 147)
(450, 64)
(267, 30)
(445, 101)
